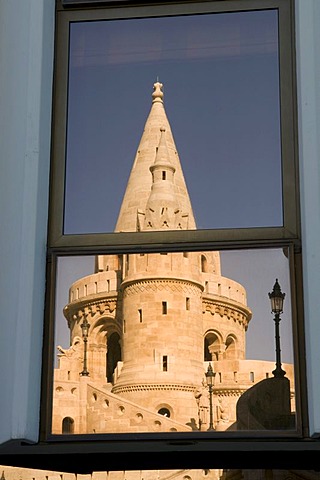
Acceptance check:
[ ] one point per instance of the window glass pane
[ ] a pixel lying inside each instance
(222, 122)
(132, 359)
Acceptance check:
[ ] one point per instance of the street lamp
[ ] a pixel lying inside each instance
(277, 299)
(85, 330)
(210, 376)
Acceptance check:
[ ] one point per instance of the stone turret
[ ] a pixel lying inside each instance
(156, 319)
(162, 339)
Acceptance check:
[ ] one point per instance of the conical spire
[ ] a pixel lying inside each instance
(156, 150)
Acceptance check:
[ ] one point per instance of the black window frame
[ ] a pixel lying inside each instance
(199, 452)
(151, 240)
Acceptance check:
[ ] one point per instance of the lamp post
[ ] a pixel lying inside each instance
(85, 330)
(210, 376)
(277, 299)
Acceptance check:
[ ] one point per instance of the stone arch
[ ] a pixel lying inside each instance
(212, 345)
(67, 425)
(231, 347)
(105, 340)
(101, 326)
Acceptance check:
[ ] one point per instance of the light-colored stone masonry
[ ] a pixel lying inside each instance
(16, 473)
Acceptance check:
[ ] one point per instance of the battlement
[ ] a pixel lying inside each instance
(232, 373)
(102, 282)
(224, 287)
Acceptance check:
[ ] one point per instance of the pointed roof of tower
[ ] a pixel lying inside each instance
(140, 181)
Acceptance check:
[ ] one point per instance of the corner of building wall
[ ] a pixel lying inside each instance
(25, 89)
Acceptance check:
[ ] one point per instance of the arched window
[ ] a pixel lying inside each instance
(113, 354)
(230, 351)
(67, 425)
(204, 264)
(207, 354)
(165, 412)
(211, 346)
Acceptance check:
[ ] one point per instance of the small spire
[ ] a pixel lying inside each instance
(157, 94)
(162, 154)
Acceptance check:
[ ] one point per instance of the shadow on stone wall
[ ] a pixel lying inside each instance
(266, 406)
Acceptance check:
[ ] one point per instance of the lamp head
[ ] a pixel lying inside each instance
(85, 328)
(277, 299)
(210, 376)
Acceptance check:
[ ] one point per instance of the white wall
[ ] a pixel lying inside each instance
(26, 59)
(26, 64)
(308, 72)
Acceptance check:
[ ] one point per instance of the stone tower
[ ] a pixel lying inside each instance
(156, 319)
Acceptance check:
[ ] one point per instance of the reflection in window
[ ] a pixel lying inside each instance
(234, 333)
(230, 329)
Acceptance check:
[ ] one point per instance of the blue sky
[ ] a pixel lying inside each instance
(221, 84)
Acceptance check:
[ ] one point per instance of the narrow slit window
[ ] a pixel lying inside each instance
(164, 308)
(165, 363)
(187, 303)
(140, 315)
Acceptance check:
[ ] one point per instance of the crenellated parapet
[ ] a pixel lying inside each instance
(95, 284)
(215, 284)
